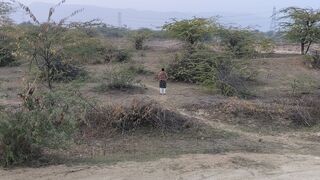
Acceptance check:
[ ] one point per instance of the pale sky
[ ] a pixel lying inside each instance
(237, 6)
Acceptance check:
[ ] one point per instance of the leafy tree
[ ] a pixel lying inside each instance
(266, 45)
(45, 42)
(240, 42)
(191, 31)
(110, 31)
(8, 46)
(7, 40)
(5, 10)
(139, 37)
(301, 25)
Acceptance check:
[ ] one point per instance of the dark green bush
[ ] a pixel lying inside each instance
(120, 77)
(211, 70)
(7, 46)
(239, 42)
(139, 37)
(122, 55)
(117, 55)
(46, 121)
(110, 31)
(64, 72)
(139, 69)
(6, 57)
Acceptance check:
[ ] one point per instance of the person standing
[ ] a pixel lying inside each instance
(163, 77)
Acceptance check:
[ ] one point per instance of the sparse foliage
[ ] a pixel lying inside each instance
(46, 120)
(5, 10)
(139, 37)
(119, 78)
(46, 42)
(301, 25)
(239, 42)
(191, 31)
(313, 60)
(8, 46)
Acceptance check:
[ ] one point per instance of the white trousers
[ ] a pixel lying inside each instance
(163, 90)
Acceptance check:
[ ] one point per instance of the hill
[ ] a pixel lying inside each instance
(137, 19)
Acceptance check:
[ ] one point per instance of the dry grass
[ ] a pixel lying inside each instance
(306, 112)
(108, 120)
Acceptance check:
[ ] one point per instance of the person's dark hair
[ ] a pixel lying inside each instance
(162, 69)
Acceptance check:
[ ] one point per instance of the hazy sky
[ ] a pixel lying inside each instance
(247, 6)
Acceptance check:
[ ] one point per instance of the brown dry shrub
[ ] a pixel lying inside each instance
(306, 112)
(280, 112)
(253, 109)
(108, 120)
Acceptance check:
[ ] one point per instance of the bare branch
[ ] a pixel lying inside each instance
(27, 10)
(62, 21)
(52, 9)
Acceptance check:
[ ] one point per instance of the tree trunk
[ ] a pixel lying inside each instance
(302, 48)
(49, 82)
(308, 48)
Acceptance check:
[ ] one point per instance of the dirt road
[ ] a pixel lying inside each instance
(198, 167)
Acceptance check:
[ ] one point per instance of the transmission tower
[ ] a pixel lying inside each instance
(120, 19)
(274, 24)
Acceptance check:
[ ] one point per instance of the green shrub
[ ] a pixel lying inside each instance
(6, 58)
(46, 121)
(313, 60)
(110, 31)
(8, 46)
(64, 72)
(120, 79)
(117, 55)
(214, 71)
(122, 55)
(139, 69)
(139, 37)
(239, 42)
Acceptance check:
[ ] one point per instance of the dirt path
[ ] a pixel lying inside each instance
(202, 167)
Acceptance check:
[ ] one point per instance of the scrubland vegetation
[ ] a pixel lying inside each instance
(87, 84)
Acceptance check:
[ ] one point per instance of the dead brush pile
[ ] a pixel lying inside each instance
(139, 115)
(275, 114)
(269, 115)
(306, 111)
(255, 109)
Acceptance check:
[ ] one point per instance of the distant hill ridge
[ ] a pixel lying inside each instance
(138, 19)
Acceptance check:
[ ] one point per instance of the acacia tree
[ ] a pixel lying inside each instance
(139, 37)
(7, 39)
(191, 31)
(5, 10)
(301, 25)
(239, 42)
(45, 42)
